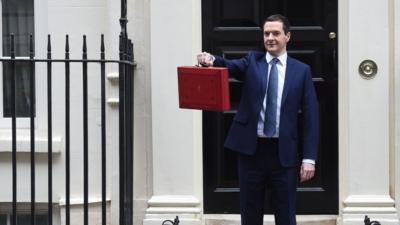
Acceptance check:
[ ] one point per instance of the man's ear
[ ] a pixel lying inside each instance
(288, 36)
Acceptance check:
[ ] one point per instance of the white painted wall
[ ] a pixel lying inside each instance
(364, 112)
(175, 29)
(139, 30)
(396, 100)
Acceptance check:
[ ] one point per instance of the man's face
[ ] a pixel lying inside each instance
(275, 39)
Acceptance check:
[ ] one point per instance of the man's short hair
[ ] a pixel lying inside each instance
(280, 18)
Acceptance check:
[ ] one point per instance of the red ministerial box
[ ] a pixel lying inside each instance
(205, 88)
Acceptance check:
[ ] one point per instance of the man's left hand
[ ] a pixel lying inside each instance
(307, 171)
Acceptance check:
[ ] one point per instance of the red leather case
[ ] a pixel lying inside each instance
(205, 88)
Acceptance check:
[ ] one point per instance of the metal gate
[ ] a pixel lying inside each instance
(126, 70)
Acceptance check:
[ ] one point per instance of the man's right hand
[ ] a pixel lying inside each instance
(205, 59)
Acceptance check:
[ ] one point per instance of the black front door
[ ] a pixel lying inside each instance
(231, 28)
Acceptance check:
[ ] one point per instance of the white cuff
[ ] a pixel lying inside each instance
(310, 161)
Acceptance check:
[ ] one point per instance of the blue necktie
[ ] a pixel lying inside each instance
(272, 99)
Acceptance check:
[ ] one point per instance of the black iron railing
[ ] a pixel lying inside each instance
(126, 67)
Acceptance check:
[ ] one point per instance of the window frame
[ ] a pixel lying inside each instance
(5, 122)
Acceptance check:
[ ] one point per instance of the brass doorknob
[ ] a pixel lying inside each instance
(332, 35)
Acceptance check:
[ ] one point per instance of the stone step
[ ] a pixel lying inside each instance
(234, 219)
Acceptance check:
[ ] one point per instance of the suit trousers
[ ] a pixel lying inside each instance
(262, 171)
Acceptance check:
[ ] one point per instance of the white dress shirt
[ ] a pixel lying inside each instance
(281, 66)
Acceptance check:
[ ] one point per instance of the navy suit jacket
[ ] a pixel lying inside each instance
(298, 94)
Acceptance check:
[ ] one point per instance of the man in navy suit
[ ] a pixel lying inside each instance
(264, 131)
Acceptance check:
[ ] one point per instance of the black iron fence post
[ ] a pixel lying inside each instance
(32, 128)
(67, 133)
(121, 133)
(85, 135)
(125, 122)
(123, 20)
(103, 132)
(49, 133)
(14, 134)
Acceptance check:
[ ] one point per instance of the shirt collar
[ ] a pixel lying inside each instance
(282, 58)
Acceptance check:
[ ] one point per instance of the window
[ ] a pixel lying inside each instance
(23, 219)
(24, 213)
(17, 19)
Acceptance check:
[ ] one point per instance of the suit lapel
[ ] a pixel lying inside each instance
(288, 79)
(263, 69)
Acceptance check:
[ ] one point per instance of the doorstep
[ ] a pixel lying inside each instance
(234, 219)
